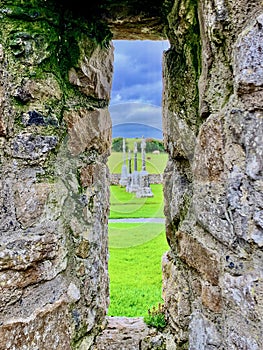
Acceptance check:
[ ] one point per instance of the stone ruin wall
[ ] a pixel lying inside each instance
(55, 135)
(153, 179)
(213, 184)
(54, 179)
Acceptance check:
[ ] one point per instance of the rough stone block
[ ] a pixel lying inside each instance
(177, 294)
(87, 175)
(2, 127)
(209, 161)
(46, 329)
(88, 130)
(93, 76)
(248, 58)
(203, 334)
(177, 194)
(33, 147)
(241, 333)
(211, 297)
(199, 257)
(21, 253)
(30, 200)
(245, 290)
(126, 333)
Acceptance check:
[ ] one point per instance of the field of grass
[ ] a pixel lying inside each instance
(155, 163)
(135, 252)
(126, 235)
(126, 205)
(135, 272)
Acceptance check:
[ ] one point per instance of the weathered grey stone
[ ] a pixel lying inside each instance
(248, 68)
(198, 257)
(211, 211)
(93, 76)
(96, 124)
(23, 253)
(177, 194)
(179, 137)
(120, 333)
(39, 294)
(203, 334)
(225, 176)
(144, 189)
(73, 292)
(28, 146)
(53, 221)
(39, 90)
(37, 330)
(209, 162)
(176, 297)
(244, 289)
(211, 297)
(129, 334)
(157, 342)
(30, 200)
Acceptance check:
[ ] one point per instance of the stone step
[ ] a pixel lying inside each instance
(122, 333)
(125, 333)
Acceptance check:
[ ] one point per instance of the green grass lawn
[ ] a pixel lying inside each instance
(155, 163)
(135, 252)
(135, 272)
(126, 205)
(126, 235)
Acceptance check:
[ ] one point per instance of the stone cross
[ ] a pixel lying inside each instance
(124, 150)
(135, 156)
(124, 175)
(143, 146)
(129, 160)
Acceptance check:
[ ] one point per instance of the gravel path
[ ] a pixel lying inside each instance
(138, 220)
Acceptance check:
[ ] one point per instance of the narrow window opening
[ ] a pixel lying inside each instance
(136, 223)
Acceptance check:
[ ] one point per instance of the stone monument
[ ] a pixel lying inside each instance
(135, 176)
(129, 171)
(124, 173)
(144, 189)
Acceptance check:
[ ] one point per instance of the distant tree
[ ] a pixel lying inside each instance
(151, 145)
(154, 145)
(117, 144)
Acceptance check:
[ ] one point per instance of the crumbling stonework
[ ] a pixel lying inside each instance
(55, 135)
(213, 183)
(55, 138)
(132, 333)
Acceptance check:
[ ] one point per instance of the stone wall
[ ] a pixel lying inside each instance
(153, 179)
(55, 133)
(213, 287)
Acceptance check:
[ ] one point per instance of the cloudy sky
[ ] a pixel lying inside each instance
(137, 82)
